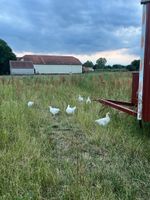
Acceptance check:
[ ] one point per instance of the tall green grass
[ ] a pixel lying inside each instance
(70, 157)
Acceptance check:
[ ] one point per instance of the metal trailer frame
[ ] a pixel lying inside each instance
(140, 104)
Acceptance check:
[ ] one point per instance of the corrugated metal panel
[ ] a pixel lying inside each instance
(55, 69)
(52, 60)
(15, 71)
(146, 86)
(21, 64)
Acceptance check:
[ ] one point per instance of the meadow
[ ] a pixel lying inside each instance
(70, 157)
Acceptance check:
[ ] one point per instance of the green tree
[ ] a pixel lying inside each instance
(134, 66)
(100, 63)
(88, 64)
(6, 54)
(118, 66)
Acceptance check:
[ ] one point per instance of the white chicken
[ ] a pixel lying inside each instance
(53, 110)
(88, 100)
(80, 98)
(70, 110)
(30, 103)
(103, 121)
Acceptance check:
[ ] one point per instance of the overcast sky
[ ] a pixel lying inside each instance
(87, 29)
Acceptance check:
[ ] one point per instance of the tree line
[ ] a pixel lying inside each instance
(7, 54)
(101, 65)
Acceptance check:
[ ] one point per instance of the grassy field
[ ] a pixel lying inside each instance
(70, 157)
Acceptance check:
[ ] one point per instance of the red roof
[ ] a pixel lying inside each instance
(21, 64)
(52, 60)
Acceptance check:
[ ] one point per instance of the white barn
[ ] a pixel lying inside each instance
(47, 64)
(21, 67)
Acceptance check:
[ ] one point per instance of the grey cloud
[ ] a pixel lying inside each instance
(77, 26)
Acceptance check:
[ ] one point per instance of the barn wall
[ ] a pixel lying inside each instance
(58, 69)
(21, 71)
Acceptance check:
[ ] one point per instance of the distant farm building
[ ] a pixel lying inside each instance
(47, 64)
(21, 67)
(87, 69)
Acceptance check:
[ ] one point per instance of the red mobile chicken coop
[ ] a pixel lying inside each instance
(140, 99)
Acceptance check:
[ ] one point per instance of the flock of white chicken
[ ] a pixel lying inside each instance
(71, 110)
